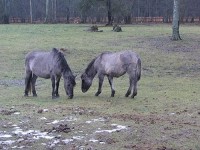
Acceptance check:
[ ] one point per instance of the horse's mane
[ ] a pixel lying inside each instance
(90, 65)
(59, 57)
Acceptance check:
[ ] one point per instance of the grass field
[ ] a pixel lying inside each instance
(164, 115)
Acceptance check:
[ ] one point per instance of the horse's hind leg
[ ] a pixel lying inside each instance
(134, 88)
(101, 78)
(27, 82)
(33, 81)
(130, 87)
(110, 79)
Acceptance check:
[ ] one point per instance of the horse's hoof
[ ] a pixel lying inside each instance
(126, 95)
(132, 96)
(113, 94)
(70, 96)
(97, 93)
(25, 95)
(55, 97)
(34, 95)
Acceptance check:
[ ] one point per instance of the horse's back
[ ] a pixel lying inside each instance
(128, 57)
(121, 57)
(38, 62)
(117, 63)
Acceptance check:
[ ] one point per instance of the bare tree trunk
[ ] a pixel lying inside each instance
(55, 10)
(68, 10)
(6, 13)
(47, 11)
(109, 12)
(175, 23)
(138, 8)
(31, 13)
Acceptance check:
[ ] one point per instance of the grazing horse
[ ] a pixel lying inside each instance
(113, 64)
(48, 65)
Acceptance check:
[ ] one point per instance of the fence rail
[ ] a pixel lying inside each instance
(104, 20)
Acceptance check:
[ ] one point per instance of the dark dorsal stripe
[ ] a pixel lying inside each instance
(90, 67)
(59, 56)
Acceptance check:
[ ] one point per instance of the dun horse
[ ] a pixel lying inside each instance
(48, 65)
(113, 65)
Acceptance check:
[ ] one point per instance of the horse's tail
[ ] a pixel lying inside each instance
(138, 69)
(30, 87)
(30, 83)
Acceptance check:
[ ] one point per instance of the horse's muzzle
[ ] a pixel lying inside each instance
(84, 90)
(71, 96)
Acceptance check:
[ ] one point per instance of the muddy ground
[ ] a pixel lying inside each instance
(153, 122)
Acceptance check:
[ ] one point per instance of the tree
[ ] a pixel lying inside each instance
(85, 6)
(6, 11)
(47, 11)
(31, 13)
(175, 23)
(55, 10)
(109, 12)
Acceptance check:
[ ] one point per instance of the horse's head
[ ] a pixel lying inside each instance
(69, 83)
(86, 82)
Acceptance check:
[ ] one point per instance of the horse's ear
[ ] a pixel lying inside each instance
(64, 51)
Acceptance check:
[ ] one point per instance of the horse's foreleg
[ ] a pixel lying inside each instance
(33, 81)
(53, 87)
(57, 86)
(110, 80)
(27, 82)
(101, 78)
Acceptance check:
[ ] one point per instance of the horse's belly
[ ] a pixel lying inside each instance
(42, 75)
(42, 71)
(115, 72)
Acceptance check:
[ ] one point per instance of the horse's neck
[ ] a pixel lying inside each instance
(92, 71)
(67, 72)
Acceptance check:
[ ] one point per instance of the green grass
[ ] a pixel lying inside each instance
(165, 113)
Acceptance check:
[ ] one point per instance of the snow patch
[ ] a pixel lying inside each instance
(118, 128)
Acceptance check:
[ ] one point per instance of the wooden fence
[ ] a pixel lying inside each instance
(78, 20)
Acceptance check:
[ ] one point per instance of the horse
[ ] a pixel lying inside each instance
(47, 65)
(113, 64)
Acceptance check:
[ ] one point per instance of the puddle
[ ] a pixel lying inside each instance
(67, 140)
(118, 128)
(18, 147)
(70, 118)
(17, 113)
(45, 110)
(55, 122)
(93, 140)
(95, 120)
(79, 135)
(8, 142)
(36, 134)
(43, 118)
(5, 136)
